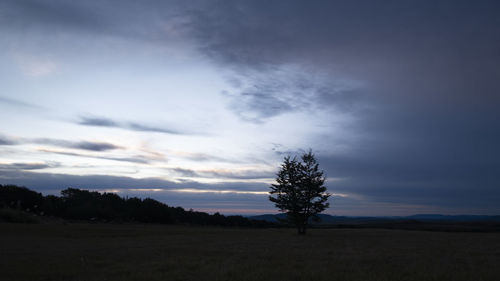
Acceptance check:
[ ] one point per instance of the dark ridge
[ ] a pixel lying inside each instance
(428, 222)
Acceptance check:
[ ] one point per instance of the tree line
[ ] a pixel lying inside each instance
(78, 204)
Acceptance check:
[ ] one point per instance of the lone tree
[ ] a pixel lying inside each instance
(300, 191)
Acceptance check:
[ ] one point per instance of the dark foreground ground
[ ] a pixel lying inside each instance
(155, 252)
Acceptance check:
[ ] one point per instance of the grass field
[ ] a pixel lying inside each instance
(156, 252)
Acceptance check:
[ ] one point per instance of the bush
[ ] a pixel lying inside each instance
(11, 215)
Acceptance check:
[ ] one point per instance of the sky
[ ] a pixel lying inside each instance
(196, 103)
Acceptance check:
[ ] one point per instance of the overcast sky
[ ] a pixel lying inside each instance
(195, 103)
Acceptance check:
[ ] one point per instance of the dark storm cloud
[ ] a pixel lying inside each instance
(421, 79)
(266, 33)
(259, 95)
(256, 105)
(431, 178)
(399, 49)
(132, 20)
(59, 14)
(133, 126)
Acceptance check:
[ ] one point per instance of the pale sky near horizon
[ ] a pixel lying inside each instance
(195, 103)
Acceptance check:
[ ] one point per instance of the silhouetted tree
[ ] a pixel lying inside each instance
(91, 205)
(53, 206)
(20, 197)
(300, 191)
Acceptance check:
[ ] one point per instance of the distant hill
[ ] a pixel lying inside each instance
(329, 219)
(427, 222)
(324, 218)
(464, 218)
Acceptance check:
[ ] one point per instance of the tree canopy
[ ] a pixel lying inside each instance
(78, 204)
(299, 190)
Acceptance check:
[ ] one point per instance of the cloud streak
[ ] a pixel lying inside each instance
(225, 174)
(133, 126)
(237, 197)
(18, 103)
(7, 141)
(97, 122)
(138, 159)
(217, 191)
(27, 166)
(82, 145)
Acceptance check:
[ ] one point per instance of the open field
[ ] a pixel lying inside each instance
(157, 252)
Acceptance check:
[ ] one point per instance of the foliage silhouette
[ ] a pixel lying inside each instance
(80, 204)
(299, 191)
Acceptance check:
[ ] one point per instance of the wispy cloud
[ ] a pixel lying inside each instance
(36, 66)
(133, 126)
(145, 128)
(95, 146)
(7, 141)
(203, 157)
(28, 166)
(139, 159)
(44, 181)
(97, 121)
(218, 191)
(18, 103)
(244, 174)
(260, 95)
(83, 145)
(218, 197)
(185, 172)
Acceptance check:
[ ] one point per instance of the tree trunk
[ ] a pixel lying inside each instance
(301, 229)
